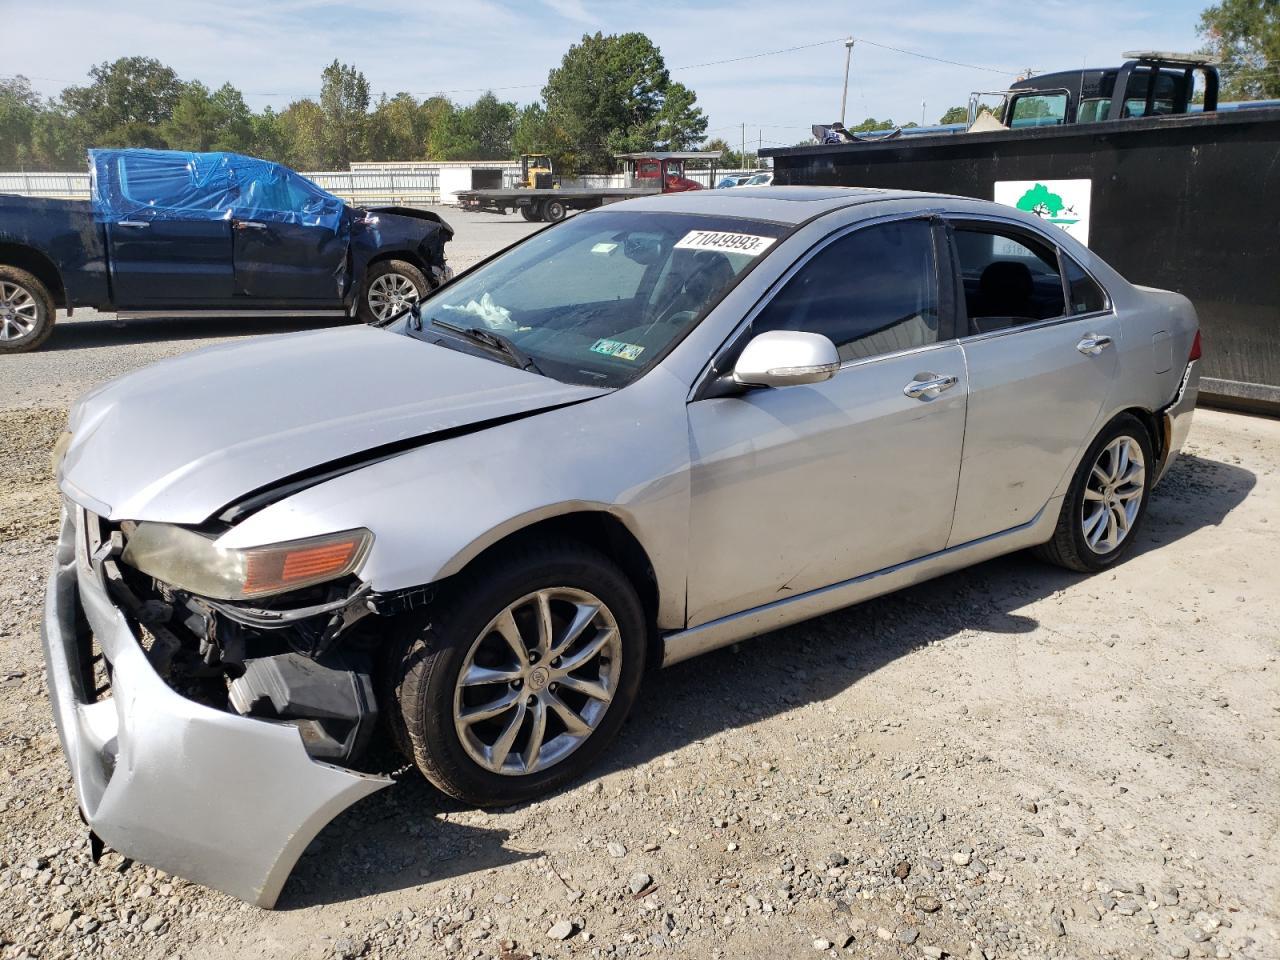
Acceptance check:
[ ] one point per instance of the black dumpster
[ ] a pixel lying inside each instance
(1188, 203)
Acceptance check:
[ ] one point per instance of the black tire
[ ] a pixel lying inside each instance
(1069, 547)
(27, 304)
(528, 213)
(367, 312)
(432, 656)
(553, 211)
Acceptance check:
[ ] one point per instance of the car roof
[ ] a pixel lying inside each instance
(778, 204)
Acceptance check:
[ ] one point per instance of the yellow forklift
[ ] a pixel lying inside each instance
(536, 172)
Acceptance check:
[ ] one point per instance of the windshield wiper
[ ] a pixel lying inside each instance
(494, 341)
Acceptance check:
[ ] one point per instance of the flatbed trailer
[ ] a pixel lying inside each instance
(551, 204)
(646, 173)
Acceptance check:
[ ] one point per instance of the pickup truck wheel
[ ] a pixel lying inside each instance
(390, 287)
(26, 311)
(553, 211)
(524, 673)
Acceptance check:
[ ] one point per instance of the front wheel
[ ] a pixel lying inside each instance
(524, 675)
(1107, 500)
(26, 311)
(390, 287)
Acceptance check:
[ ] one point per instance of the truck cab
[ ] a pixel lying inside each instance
(664, 172)
(1148, 84)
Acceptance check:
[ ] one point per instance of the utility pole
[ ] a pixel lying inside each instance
(922, 111)
(744, 144)
(844, 97)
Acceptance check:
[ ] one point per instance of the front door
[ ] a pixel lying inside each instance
(1042, 358)
(801, 487)
(291, 241)
(289, 262)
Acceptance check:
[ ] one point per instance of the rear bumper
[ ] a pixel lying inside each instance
(224, 800)
(1175, 419)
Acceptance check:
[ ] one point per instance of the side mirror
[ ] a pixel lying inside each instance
(785, 358)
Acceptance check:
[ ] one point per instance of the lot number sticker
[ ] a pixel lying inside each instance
(744, 243)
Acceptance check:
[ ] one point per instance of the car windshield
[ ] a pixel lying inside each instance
(598, 298)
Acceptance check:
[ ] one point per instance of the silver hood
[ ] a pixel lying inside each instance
(180, 439)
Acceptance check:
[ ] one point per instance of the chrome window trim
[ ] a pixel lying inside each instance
(727, 345)
(953, 216)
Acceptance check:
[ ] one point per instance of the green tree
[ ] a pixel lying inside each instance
(344, 101)
(19, 107)
(1245, 36)
(533, 131)
(955, 115)
(491, 125)
(614, 94)
(125, 103)
(268, 139)
(302, 134)
(397, 129)
(56, 142)
(210, 121)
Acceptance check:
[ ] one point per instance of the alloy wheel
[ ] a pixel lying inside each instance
(1113, 495)
(538, 681)
(19, 312)
(391, 293)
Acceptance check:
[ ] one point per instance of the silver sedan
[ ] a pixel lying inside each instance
(650, 431)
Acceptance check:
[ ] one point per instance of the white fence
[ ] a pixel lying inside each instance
(416, 183)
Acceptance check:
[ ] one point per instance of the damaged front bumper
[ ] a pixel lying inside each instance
(228, 801)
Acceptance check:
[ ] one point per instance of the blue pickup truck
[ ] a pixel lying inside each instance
(170, 233)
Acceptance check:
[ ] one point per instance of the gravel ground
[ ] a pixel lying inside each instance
(1011, 761)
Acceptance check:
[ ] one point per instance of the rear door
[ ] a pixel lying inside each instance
(290, 241)
(1042, 358)
(160, 254)
(797, 488)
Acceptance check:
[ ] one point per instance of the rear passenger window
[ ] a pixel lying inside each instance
(871, 292)
(1086, 295)
(1009, 278)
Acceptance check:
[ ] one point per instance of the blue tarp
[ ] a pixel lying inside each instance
(175, 185)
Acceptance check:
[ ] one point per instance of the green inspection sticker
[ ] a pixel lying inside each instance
(616, 348)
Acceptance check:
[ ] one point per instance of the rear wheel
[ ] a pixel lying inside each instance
(26, 311)
(524, 674)
(529, 213)
(553, 211)
(390, 287)
(1107, 500)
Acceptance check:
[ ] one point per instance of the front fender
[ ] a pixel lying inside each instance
(434, 509)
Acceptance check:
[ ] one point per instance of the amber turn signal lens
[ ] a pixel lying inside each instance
(273, 569)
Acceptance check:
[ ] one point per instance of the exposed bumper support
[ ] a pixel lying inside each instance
(227, 801)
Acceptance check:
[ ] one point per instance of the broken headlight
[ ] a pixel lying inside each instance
(190, 561)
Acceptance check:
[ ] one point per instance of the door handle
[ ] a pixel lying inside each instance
(250, 225)
(135, 224)
(926, 386)
(1093, 344)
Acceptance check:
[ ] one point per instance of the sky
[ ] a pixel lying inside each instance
(274, 50)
